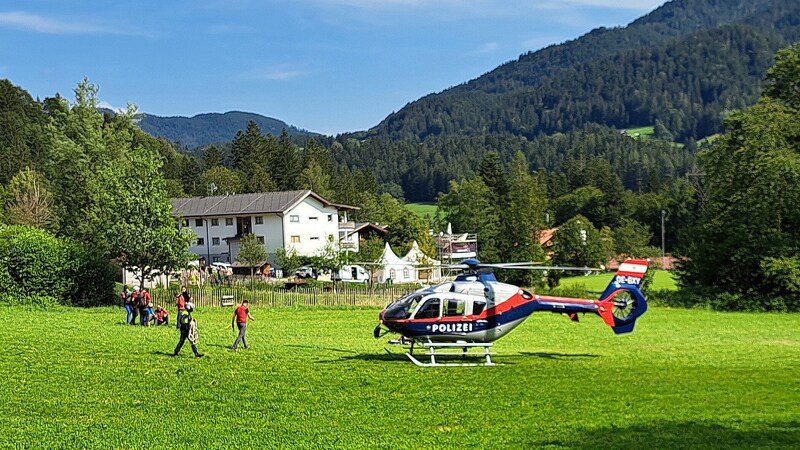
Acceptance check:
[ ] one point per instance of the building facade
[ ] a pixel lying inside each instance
(301, 221)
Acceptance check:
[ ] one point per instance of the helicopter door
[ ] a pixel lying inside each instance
(429, 309)
(454, 307)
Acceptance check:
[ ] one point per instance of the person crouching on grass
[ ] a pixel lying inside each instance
(240, 316)
(188, 327)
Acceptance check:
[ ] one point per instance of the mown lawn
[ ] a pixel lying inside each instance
(596, 283)
(315, 378)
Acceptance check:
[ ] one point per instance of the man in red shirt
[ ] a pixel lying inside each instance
(240, 316)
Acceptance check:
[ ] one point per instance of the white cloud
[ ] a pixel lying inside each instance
(40, 24)
(277, 73)
(488, 47)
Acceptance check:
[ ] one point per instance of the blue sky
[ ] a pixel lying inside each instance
(329, 66)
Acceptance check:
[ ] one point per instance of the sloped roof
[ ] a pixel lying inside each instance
(258, 203)
(388, 258)
(416, 256)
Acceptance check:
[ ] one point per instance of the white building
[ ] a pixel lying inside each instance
(298, 220)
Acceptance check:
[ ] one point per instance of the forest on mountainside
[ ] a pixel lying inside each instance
(684, 65)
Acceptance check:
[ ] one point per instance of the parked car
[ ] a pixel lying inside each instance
(306, 272)
(353, 274)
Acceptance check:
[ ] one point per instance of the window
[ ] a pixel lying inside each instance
(315, 238)
(313, 218)
(477, 307)
(201, 241)
(392, 274)
(215, 259)
(260, 239)
(215, 241)
(214, 222)
(406, 273)
(330, 217)
(259, 220)
(294, 218)
(295, 239)
(454, 307)
(429, 310)
(228, 221)
(198, 222)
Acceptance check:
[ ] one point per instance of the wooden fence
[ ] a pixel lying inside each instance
(299, 296)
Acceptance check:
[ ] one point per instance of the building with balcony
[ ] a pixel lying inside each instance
(302, 221)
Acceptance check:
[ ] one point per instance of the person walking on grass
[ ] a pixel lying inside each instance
(240, 316)
(188, 327)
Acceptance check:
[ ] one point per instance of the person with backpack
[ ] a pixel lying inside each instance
(240, 316)
(188, 327)
(181, 300)
(125, 296)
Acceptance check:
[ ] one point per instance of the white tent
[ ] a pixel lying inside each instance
(425, 267)
(395, 269)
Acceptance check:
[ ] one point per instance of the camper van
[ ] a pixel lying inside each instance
(354, 274)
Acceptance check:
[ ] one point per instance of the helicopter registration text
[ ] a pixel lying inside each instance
(451, 327)
(624, 279)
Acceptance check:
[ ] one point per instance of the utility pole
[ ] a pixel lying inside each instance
(663, 213)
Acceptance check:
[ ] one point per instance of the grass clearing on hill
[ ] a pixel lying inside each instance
(315, 378)
(425, 210)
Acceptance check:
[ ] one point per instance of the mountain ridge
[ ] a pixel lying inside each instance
(206, 128)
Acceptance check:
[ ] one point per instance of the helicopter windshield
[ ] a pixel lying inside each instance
(402, 309)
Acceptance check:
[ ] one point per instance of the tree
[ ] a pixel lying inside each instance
(219, 181)
(31, 203)
(212, 157)
(470, 207)
(577, 243)
(142, 234)
(369, 252)
(251, 253)
(524, 219)
(747, 238)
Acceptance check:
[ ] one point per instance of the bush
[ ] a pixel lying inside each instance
(36, 267)
(723, 301)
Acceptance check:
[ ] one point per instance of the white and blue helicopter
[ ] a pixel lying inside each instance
(475, 309)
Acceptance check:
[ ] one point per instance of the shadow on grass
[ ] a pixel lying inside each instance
(687, 435)
(551, 355)
(315, 347)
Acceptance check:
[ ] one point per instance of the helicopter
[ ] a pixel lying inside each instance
(475, 309)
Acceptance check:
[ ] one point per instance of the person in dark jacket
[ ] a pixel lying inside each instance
(187, 323)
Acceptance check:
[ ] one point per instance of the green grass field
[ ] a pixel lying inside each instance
(662, 280)
(422, 209)
(315, 378)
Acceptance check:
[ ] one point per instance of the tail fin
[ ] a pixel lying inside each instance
(622, 302)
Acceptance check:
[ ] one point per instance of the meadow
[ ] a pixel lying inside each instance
(596, 283)
(424, 210)
(316, 378)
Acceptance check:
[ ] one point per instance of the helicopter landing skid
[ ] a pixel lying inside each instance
(454, 349)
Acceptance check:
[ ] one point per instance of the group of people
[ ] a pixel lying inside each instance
(139, 303)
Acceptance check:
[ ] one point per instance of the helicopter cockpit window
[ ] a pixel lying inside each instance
(478, 307)
(429, 309)
(402, 309)
(454, 307)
